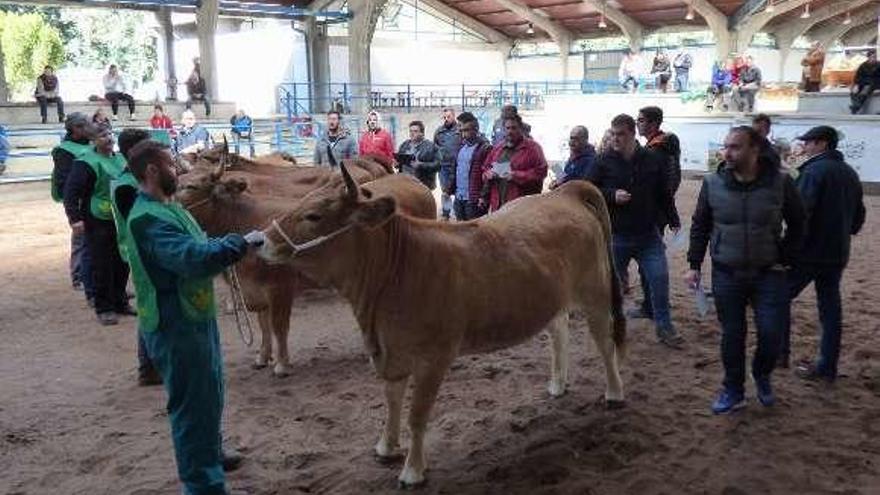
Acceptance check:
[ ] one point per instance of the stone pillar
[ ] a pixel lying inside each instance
(163, 16)
(564, 49)
(206, 25)
(4, 89)
(318, 52)
(360, 36)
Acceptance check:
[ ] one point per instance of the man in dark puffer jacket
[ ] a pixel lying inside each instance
(740, 215)
(832, 195)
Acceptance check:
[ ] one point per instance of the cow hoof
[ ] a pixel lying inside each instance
(280, 371)
(556, 389)
(614, 404)
(258, 365)
(410, 480)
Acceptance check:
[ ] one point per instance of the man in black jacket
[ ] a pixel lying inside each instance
(739, 216)
(635, 184)
(76, 143)
(832, 195)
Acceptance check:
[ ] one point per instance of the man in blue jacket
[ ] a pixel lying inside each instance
(832, 195)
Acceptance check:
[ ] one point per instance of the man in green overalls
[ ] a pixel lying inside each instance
(76, 142)
(89, 210)
(173, 265)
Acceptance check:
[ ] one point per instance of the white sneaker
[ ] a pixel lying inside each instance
(132, 117)
(115, 118)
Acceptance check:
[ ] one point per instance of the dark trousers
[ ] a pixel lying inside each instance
(860, 97)
(650, 254)
(109, 272)
(145, 365)
(44, 106)
(812, 86)
(113, 97)
(826, 279)
(203, 99)
(81, 264)
(766, 292)
(681, 81)
(464, 210)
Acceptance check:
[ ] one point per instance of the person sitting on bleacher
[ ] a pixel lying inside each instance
(162, 128)
(4, 149)
(191, 137)
(47, 92)
(242, 128)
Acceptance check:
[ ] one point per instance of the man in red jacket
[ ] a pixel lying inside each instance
(515, 167)
(376, 141)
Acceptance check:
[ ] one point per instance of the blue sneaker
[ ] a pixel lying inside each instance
(728, 401)
(764, 391)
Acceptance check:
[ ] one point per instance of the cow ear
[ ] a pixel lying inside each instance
(374, 212)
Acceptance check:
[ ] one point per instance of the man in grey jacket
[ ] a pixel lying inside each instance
(336, 144)
(448, 139)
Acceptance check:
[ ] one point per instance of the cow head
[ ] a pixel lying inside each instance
(203, 185)
(322, 216)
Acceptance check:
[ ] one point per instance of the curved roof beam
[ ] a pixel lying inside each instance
(559, 33)
(750, 25)
(861, 35)
(631, 28)
(491, 34)
(718, 24)
(787, 33)
(826, 35)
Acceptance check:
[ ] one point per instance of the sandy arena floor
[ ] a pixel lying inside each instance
(72, 420)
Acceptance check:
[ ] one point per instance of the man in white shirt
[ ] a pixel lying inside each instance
(115, 90)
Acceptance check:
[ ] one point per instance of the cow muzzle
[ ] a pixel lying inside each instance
(269, 251)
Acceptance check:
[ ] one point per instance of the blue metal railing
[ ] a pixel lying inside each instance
(295, 98)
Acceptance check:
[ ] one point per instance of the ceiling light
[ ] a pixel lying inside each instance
(770, 7)
(690, 14)
(848, 20)
(806, 14)
(530, 29)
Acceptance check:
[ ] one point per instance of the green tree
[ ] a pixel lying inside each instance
(104, 37)
(28, 44)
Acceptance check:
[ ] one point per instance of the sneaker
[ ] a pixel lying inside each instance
(107, 319)
(61, 119)
(149, 378)
(132, 117)
(810, 373)
(231, 459)
(77, 285)
(115, 117)
(127, 310)
(764, 391)
(670, 338)
(728, 401)
(639, 313)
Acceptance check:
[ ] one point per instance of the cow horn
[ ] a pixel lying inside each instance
(351, 188)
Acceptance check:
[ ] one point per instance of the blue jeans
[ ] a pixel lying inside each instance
(447, 176)
(625, 83)
(650, 254)
(81, 264)
(827, 282)
(238, 138)
(681, 81)
(767, 293)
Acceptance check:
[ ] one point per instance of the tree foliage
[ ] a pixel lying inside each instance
(105, 37)
(29, 44)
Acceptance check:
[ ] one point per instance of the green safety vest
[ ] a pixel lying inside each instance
(75, 149)
(106, 168)
(196, 294)
(126, 179)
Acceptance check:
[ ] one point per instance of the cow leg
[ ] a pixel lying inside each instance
(279, 308)
(427, 380)
(265, 339)
(599, 320)
(558, 330)
(388, 444)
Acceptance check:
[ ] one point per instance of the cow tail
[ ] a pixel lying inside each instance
(618, 332)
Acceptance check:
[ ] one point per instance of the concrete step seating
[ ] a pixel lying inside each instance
(28, 113)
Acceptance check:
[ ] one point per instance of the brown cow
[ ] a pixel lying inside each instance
(223, 202)
(425, 292)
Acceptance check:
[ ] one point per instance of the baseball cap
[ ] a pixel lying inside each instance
(824, 133)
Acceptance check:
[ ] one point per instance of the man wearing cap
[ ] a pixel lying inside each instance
(865, 82)
(75, 144)
(832, 195)
(89, 210)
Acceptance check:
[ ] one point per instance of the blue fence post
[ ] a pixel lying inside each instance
(515, 93)
(501, 93)
(295, 98)
(463, 101)
(408, 98)
(345, 97)
(287, 105)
